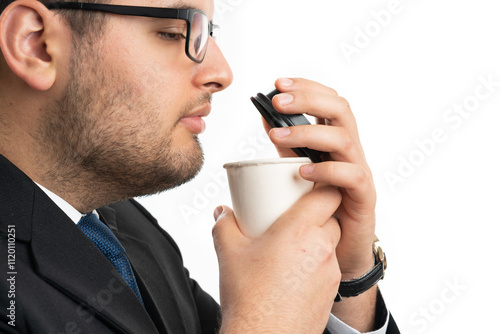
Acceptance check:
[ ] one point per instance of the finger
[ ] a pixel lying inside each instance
(285, 85)
(334, 109)
(282, 151)
(294, 85)
(333, 231)
(333, 139)
(314, 208)
(225, 231)
(357, 180)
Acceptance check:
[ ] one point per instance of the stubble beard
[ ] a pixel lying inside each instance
(112, 161)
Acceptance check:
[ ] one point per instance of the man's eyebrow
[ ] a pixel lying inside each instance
(179, 5)
(182, 7)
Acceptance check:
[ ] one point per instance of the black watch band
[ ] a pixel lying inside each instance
(359, 285)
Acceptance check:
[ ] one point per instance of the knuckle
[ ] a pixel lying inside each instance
(336, 232)
(348, 142)
(216, 228)
(360, 176)
(331, 244)
(323, 253)
(343, 101)
(319, 245)
(330, 168)
(304, 132)
(333, 91)
(337, 276)
(344, 107)
(307, 97)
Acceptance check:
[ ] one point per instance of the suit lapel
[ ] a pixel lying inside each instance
(65, 257)
(158, 294)
(16, 198)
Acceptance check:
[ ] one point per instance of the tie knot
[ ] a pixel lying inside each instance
(100, 235)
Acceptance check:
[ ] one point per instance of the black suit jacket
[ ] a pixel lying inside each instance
(64, 284)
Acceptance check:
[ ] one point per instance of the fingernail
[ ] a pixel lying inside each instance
(284, 99)
(307, 169)
(218, 211)
(285, 82)
(281, 132)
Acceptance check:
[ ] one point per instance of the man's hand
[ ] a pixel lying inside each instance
(285, 280)
(336, 133)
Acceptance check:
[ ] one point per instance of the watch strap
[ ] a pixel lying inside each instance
(357, 286)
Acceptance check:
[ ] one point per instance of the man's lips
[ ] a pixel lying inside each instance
(194, 121)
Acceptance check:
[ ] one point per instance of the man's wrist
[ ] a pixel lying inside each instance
(362, 269)
(358, 312)
(356, 285)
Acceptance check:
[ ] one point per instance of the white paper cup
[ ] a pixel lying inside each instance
(261, 190)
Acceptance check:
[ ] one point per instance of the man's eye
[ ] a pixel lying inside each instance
(171, 36)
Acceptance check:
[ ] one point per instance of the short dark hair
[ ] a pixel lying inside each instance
(81, 22)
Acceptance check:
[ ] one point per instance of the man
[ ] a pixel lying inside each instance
(99, 104)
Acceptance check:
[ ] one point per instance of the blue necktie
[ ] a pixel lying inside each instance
(109, 245)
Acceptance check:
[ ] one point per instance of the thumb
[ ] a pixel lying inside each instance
(225, 231)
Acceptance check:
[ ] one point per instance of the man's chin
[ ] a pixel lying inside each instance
(186, 179)
(184, 170)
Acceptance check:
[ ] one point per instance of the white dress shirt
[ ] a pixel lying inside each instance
(335, 325)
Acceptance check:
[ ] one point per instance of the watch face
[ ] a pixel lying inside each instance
(378, 252)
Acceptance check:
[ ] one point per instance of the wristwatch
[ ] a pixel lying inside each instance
(356, 286)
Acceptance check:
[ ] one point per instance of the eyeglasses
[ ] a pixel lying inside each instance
(198, 27)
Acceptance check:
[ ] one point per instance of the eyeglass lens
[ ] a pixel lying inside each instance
(199, 36)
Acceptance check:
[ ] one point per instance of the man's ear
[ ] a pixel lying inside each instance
(27, 40)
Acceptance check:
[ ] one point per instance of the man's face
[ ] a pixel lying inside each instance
(129, 115)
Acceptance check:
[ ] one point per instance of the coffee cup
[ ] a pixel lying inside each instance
(263, 189)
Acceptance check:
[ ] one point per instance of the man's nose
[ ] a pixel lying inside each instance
(214, 73)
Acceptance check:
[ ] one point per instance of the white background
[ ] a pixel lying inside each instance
(438, 225)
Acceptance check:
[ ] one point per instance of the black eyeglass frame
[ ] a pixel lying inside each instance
(155, 12)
